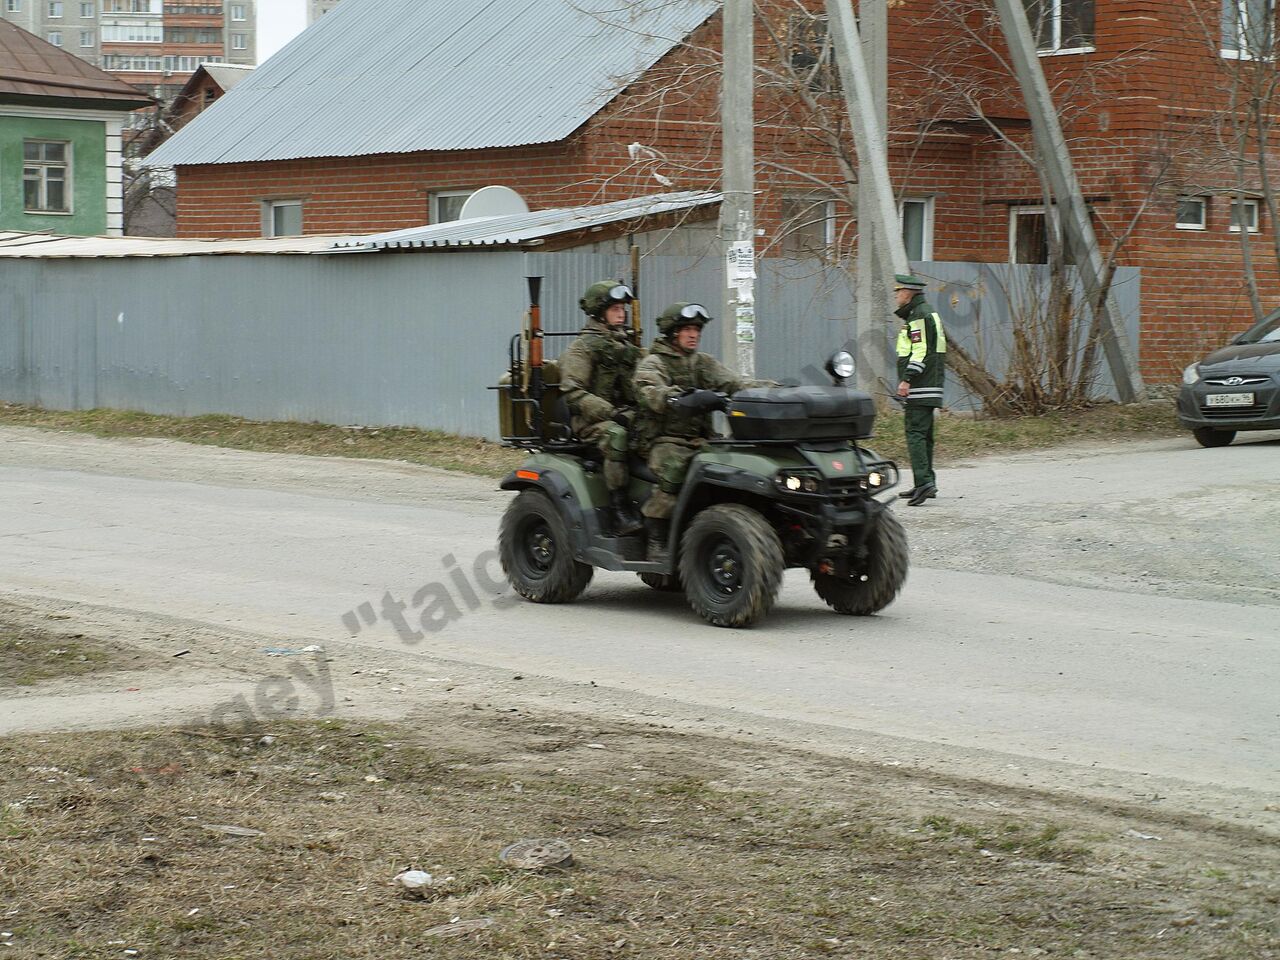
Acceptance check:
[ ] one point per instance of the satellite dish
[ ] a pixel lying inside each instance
(495, 201)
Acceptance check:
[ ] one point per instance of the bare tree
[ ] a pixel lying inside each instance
(805, 149)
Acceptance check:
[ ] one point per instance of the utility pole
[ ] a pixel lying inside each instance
(873, 300)
(737, 209)
(879, 231)
(1051, 147)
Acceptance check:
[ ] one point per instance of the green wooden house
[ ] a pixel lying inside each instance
(61, 123)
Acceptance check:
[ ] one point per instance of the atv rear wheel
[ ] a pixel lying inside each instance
(885, 572)
(664, 582)
(731, 565)
(536, 553)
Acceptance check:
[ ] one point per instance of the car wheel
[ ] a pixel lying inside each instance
(536, 553)
(885, 572)
(663, 582)
(731, 565)
(1209, 437)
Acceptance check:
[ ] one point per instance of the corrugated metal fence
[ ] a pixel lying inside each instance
(410, 339)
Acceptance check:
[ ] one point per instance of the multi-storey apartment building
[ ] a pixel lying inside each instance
(152, 44)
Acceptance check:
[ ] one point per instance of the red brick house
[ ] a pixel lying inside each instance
(570, 108)
(207, 85)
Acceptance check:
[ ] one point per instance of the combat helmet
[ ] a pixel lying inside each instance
(601, 295)
(682, 315)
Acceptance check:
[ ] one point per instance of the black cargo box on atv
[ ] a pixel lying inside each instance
(801, 413)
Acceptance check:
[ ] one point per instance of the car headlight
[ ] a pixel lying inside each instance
(1191, 374)
(794, 482)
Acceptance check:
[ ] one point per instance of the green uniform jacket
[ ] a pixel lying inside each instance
(596, 374)
(922, 353)
(668, 372)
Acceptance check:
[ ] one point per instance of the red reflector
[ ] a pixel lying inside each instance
(526, 475)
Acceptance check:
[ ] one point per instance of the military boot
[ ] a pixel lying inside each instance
(659, 531)
(622, 514)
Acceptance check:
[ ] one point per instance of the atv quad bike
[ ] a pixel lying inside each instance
(790, 487)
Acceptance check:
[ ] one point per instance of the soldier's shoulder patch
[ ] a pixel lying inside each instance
(917, 336)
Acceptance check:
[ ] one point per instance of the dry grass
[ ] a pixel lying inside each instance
(680, 852)
(29, 656)
(959, 438)
(964, 438)
(430, 447)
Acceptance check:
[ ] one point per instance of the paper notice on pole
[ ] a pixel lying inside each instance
(746, 321)
(742, 261)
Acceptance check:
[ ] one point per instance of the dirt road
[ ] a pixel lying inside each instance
(1101, 622)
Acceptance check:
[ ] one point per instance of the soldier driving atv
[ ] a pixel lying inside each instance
(596, 380)
(678, 389)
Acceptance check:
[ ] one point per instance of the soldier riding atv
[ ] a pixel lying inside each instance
(789, 487)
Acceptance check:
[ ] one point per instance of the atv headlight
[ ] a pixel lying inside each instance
(794, 482)
(875, 480)
(841, 365)
(1191, 374)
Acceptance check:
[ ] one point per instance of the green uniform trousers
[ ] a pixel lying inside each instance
(919, 423)
(670, 464)
(611, 438)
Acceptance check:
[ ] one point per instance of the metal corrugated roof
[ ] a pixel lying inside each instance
(44, 245)
(479, 232)
(526, 227)
(30, 67)
(398, 76)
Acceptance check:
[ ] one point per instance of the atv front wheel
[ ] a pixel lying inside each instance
(885, 572)
(663, 582)
(536, 553)
(731, 565)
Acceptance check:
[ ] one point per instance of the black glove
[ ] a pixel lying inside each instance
(700, 400)
(624, 416)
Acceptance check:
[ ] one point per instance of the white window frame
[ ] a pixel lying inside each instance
(1055, 19)
(439, 195)
(13, 6)
(926, 240)
(1248, 203)
(269, 208)
(90, 7)
(828, 220)
(239, 41)
(68, 183)
(238, 12)
(56, 5)
(1242, 51)
(1014, 213)
(54, 37)
(1203, 223)
(86, 35)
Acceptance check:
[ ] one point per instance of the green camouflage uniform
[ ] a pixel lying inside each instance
(596, 379)
(670, 436)
(922, 363)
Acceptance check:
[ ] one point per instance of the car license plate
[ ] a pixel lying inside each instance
(1229, 400)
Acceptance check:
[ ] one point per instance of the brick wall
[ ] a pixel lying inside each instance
(1137, 112)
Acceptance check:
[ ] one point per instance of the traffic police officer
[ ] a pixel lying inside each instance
(596, 375)
(922, 363)
(678, 389)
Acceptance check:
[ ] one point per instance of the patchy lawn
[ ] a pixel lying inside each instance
(29, 656)
(958, 437)
(684, 846)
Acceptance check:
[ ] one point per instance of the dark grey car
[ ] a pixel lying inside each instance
(1235, 388)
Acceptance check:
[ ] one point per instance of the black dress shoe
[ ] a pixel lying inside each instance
(921, 494)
